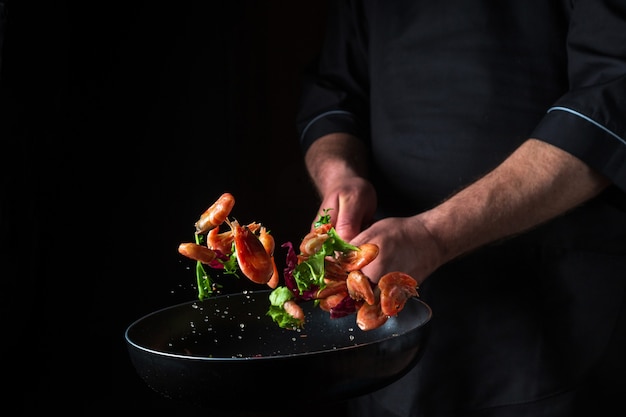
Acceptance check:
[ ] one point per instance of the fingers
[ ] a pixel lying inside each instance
(347, 215)
(347, 228)
(347, 222)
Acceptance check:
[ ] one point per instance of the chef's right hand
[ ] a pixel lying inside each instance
(352, 204)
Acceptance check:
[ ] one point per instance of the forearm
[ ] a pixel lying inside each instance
(536, 183)
(333, 158)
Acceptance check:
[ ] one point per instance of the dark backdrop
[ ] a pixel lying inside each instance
(120, 122)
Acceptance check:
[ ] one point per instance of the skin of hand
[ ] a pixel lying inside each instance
(534, 184)
(337, 164)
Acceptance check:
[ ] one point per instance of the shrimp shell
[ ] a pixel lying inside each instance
(197, 252)
(332, 301)
(294, 310)
(360, 287)
(275, 278)
(216, 214)
(254, 261)
(332, 287)
(395, 289)
(333, 270)
(269, 244)
(313, 241)
(370, 316)
(356, 260)
(222, 242)
(266, 239)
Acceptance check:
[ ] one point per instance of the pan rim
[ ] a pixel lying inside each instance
(161, 353)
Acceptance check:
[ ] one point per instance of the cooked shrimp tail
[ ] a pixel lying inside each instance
(356, 260)
(371, 316)
(360, 287)
(395, 289)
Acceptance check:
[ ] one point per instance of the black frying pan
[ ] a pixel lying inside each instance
(225, 351)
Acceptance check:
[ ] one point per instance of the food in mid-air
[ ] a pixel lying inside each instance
(248, 248)
(326, 270)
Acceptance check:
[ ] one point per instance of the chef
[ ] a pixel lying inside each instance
(482, 146)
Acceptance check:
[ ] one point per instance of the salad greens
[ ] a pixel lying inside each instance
(303, 275)
(205, 282)
(227, 263)
(278, 297)
(303, 280)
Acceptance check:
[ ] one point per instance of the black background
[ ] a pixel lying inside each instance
(120, 122)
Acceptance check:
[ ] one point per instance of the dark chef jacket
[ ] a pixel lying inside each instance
(443, 91)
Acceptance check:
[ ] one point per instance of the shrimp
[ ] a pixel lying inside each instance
(371, 316)
(395, 289)
(333, 271)
(360, 287)
(269, 244)
(254, 261)
(313, 241)
(222, 242)
(294, 310)
(275, 278)
(216, 214)
(197, 252)
(356, 260)
(266, 239)
(254, 226)
(312, 244)
(332, 301)
(332, 287)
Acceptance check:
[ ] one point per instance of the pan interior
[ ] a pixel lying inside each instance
(236, 326)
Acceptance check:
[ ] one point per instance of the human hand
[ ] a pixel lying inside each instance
(404, 244)
(352, 203)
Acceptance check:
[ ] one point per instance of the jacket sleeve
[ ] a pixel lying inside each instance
(334, 91)
(589, 120)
